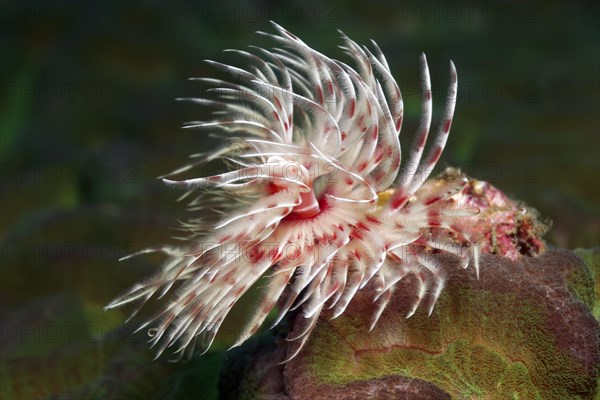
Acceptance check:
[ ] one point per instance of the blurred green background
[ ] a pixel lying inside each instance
(88, 121)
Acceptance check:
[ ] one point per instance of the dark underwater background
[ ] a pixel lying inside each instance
(88, 120)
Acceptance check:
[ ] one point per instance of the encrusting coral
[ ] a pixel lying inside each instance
(516, 332)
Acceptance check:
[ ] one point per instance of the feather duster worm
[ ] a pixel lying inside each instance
(317, 200)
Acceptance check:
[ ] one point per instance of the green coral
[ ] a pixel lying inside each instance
(591, 258)
(481, 345)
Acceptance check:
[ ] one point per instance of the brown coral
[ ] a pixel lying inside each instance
(517, 331)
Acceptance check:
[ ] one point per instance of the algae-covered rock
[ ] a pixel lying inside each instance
(504, 226)
(519, 332)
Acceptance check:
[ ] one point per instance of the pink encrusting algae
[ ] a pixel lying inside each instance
(316, 202)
